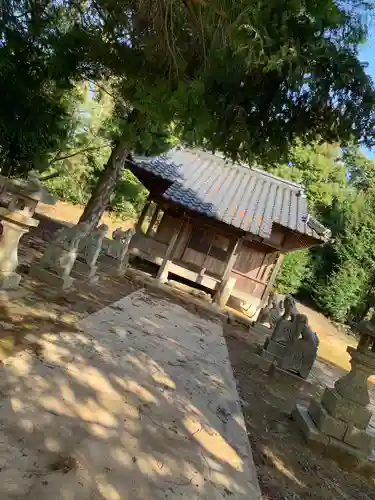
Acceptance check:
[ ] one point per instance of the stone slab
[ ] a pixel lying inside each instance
(262, 329)
(9, 281)
(344, 409)
(111, 265)
(325, 422)
(260, 362)
(142, 399)
(358, 438)
(345, 455)
(52, 279)
(316, 439)
(268, 356)
(83, 270)
(290, 379)
(274, 348)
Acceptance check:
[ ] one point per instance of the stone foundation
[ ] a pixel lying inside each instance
(43, 274)
(338, 423)
(84, 272)
(113, 266)
(345, 454)
(276, 349)
(9, 281)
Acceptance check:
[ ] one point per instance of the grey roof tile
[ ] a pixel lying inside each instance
(246, 198)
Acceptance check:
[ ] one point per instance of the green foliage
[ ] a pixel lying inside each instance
(87, 151)
(291, 73)
(344, 290)
(320, 169)
(339, 276)
(129, 197)
(36, 83)
(293, 272)
(246, 79)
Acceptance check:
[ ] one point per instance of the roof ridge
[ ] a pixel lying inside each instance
(276, 177)
(219, 188)
(230, 163)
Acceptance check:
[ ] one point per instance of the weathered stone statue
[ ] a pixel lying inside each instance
(90, 246)
(58, 260)
(301, 348)
(271, 313)
(285, 326)
(88, 252)
(115, 252)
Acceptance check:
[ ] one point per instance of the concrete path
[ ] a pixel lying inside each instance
(141, 404)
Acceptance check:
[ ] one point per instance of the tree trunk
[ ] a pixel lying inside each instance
(107, 181)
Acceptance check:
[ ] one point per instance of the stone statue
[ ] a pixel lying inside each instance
(90, 246)
(283, 330)
(121, 241)
(271, 312)
(290, 309)
(301, 348)
(56, 265)
(285, 326)
(61, 252)
(115, 252)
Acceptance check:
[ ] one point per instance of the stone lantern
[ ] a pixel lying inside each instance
(339, 422)
(17, 220)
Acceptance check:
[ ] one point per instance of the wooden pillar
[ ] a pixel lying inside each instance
(236, 245)
(271, 281)
(143, 215)
(154, 218)
(162, 275)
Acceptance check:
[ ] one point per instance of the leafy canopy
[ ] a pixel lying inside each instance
(246, 78)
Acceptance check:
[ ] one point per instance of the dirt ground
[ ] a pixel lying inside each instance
(287, 469)
(68, 213)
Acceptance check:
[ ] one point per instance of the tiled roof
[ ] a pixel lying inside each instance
(249, 199)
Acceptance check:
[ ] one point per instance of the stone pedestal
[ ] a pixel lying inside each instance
(41, 273)
(89, 247)
(338, 423)
(57, 262)
(114, 257)
(84, 272)
(17, 220)
(293, 345)
(274, 349)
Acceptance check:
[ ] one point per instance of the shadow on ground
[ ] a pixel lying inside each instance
(129, 413)
(286, 468)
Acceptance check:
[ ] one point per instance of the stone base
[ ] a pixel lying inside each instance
(265, 354)
(274, 348)
(259, 362)
(344, 409)
(9, 281)
(113, 266)
(83, 272)
(262, 329)
(325, 422)
(42, 274)
(291, 379)
(346, 455)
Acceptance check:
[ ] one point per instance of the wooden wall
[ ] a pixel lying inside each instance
(252, 269)
(202, 247)
(199, 246)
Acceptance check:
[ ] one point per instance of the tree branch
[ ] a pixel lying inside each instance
(50, 176)
(75, 153)
(113, 96)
